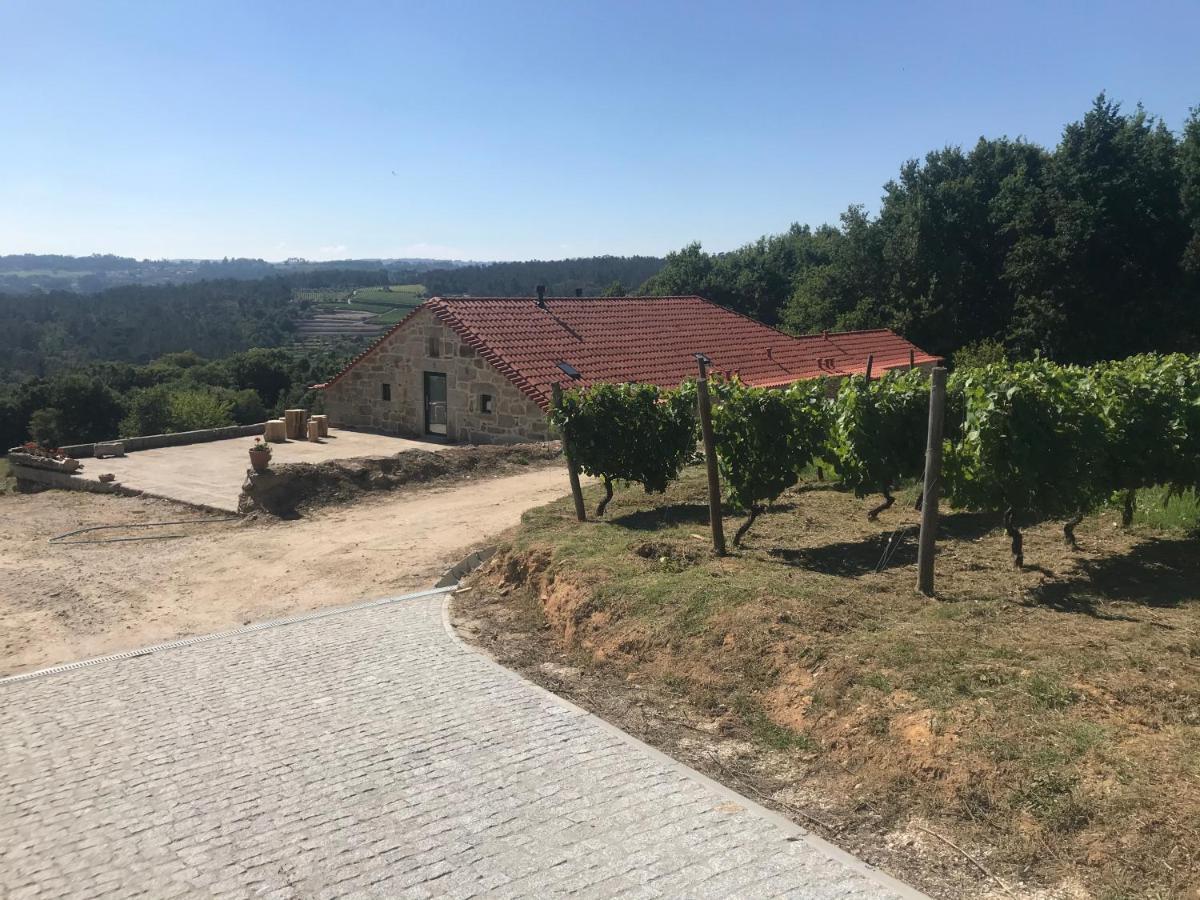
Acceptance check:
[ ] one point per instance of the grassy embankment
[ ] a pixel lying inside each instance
(1047, 720)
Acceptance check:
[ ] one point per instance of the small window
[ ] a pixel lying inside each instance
(434, 347)
(486, 404)
(385, 391)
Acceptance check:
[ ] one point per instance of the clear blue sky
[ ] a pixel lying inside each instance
(519, 130)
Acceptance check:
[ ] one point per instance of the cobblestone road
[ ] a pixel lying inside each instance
(364, 754)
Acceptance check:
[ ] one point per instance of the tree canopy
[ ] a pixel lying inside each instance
(1087, 251)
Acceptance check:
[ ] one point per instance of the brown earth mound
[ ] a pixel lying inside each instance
(285, 491)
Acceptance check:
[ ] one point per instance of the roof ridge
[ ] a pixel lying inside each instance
(534, 299)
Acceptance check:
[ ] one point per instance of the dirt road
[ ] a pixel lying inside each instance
(66, 602)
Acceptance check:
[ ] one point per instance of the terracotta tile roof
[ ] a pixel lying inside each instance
(647, 339)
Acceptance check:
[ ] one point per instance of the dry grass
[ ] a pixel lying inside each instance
(1047, 719)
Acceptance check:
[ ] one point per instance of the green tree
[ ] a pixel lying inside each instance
(1098, 239)
(149, 412)
(46, 427)
(192, 410)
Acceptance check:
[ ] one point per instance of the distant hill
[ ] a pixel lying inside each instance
(593, 275)
(29, 273)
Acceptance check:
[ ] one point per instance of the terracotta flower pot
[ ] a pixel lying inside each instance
(260, 460)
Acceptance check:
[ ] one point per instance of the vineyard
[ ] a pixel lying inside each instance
(1030, 441)
(1043, 719)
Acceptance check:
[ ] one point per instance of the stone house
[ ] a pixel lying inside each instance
(481, 370)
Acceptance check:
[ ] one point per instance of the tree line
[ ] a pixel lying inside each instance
(1086, 251)
(46, 333)
(176, 392)
(593, 275)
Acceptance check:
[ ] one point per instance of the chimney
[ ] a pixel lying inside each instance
(578, 292)
(541, 289)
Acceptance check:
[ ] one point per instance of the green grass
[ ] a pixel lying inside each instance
(1156, 508)
(395, 294)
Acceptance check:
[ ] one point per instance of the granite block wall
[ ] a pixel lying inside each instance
(426, 345)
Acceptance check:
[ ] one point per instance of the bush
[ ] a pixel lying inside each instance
(878, 433)
(247, 408)
(46, 427)
(192, 410)
(764, 438)
(149, 412)
(628, 432)
(1032, 445)
(977, 354)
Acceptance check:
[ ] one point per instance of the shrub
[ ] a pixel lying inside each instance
(878, 433)
(764, 438)
(628, 432)
(1032, 445)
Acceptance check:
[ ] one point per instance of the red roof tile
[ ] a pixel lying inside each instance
(647, 339)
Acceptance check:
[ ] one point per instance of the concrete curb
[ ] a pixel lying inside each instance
(466, 566)
(790, 829)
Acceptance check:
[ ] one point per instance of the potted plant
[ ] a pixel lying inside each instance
(260, 455)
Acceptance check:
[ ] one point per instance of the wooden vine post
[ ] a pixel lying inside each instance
(704, 403)
(572, 469)
(926, 548)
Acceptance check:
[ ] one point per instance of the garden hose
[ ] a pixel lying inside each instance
(61, 539)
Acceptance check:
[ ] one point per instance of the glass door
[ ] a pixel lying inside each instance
(435, 403)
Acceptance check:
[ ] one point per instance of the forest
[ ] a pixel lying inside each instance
(46, 333)
(1083, 252)
(176, 392)
(595, 276)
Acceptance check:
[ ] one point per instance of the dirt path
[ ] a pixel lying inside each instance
(63, 602)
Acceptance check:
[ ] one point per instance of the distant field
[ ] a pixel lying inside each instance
(394, 294)
(385, 306)
(322, 295)
(391, 317)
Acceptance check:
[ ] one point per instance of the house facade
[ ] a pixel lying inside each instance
(482, 370)
(424, 380)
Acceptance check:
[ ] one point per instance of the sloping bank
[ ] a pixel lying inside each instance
(1000, 729)
(287, 490)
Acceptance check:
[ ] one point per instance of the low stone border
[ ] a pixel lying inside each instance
(30, 479)
(150, 441)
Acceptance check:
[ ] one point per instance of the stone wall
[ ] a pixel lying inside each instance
(176, 439)
(356, 401)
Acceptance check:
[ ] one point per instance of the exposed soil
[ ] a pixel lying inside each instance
(289, 489)
(1030, 733)
(61, 602)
